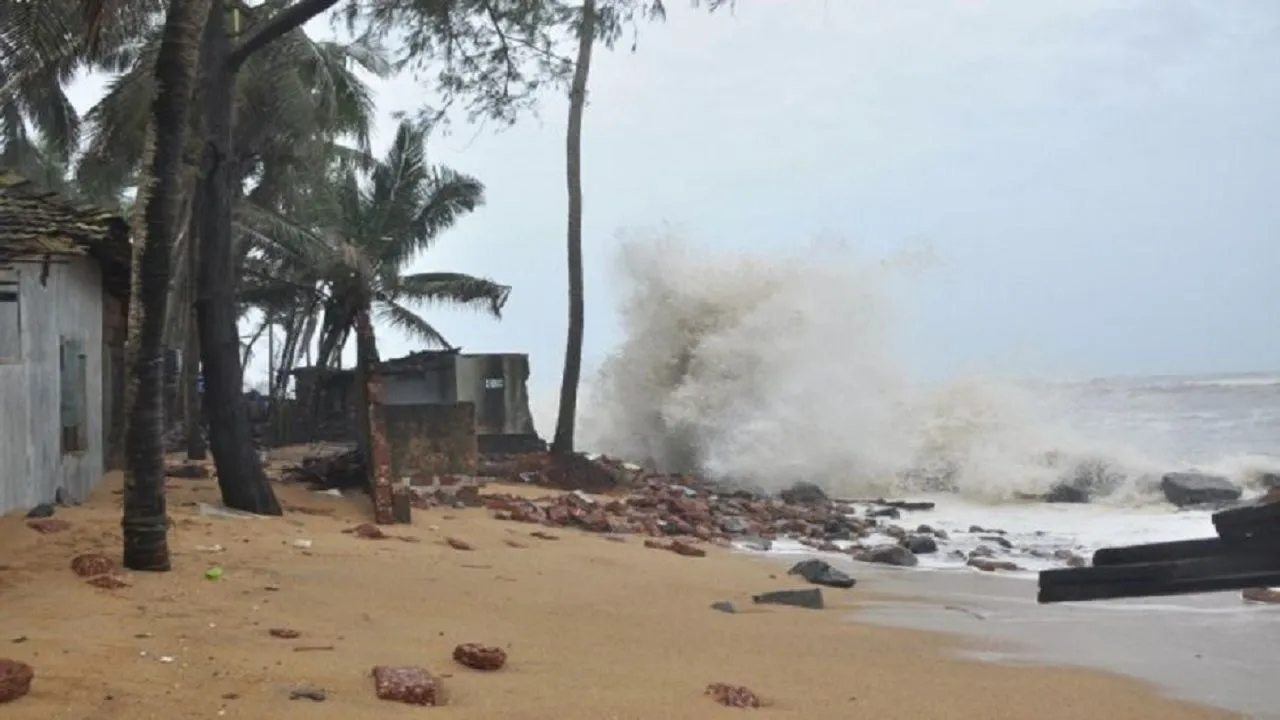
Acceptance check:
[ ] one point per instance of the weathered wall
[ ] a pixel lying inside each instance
(498, 386)
(430, 440)
(32, 464)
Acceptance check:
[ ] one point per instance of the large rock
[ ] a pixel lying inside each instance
(1183, 489)
(15, 680)
(921, 544)
(820, 572)
(892, 555)
(810, 598)
(804, 493)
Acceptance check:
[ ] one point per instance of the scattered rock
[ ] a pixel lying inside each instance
(1067, 493)
(892, 555)
(43, 510)
(49, 526)
(108, 582)
(999, 540)
(90, 564)
(189, 471)
(480, 657)
(543, 536)
(1070, 558)
(757, 544)
(810, 598)
(515, 544)
(804, 493)
(724, 606)
(989, 565)
(409, 685)
(1261, 595)
(736, 696)
(313, 694)
(15, 680)
(921, 544)
(284, 633)
(457, 544)
(680, 547)
(1183, 489)
(735, 525)
(820, 572)
(368, 531)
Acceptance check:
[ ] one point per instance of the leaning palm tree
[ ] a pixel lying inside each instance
(376, 224)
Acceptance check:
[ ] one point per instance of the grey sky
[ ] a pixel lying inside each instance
(1095, 179)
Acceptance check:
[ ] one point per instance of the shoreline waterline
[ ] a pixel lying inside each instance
(1214, 650)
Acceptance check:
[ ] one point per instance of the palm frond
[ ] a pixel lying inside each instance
(456, 289)
(412, 324)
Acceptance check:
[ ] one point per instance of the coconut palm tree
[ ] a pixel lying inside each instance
(349, 248)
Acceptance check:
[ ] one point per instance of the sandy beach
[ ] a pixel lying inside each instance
(594, 628)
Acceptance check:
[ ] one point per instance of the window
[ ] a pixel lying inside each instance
(71, 366)
(10, 318)
(494, 383)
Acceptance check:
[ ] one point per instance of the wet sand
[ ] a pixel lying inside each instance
(595, 629)
(1212, 648)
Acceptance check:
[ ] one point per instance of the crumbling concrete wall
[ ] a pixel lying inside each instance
(430, 440)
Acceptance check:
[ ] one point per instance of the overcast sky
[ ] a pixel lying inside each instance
(1096, 180)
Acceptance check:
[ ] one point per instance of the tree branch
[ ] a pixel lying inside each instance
(288, 20)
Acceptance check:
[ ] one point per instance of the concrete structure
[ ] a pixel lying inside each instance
(64, 279)
(495, 384)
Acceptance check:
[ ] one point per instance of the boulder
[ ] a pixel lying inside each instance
(810, 598)
(1183, 489)
(1067, 493)
(921, 544)
(804, 493)
(892, 555)
(820, 572)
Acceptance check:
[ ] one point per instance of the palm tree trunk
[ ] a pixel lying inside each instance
(138, 222)
(145, 525)
(192, 407)
(241, 479)
(563, 442)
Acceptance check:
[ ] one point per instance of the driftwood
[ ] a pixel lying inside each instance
(1245, 555)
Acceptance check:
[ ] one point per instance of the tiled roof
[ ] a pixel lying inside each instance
(37, 225)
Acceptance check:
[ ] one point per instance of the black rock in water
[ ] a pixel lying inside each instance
(43, 510)
(893, 555)
(1067, 493)
(820, 572)
(810, 598)
(1184, 489)
(921, 544)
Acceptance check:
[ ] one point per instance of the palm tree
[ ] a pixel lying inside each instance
(144, 522)
(377, 223)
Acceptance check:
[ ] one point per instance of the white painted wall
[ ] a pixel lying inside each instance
(32, 464)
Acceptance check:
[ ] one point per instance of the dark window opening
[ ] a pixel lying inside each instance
(10, 318)
(74, 401)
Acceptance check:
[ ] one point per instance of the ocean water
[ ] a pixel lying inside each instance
(768, 370)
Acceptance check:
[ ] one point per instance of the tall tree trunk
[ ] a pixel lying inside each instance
(139, 237)
(145, 525)
(192, 407)
(565, 422)
(241, 479)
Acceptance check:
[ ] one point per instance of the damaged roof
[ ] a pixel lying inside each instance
(41, 226)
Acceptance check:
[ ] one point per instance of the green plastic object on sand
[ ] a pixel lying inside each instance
(213, 573)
